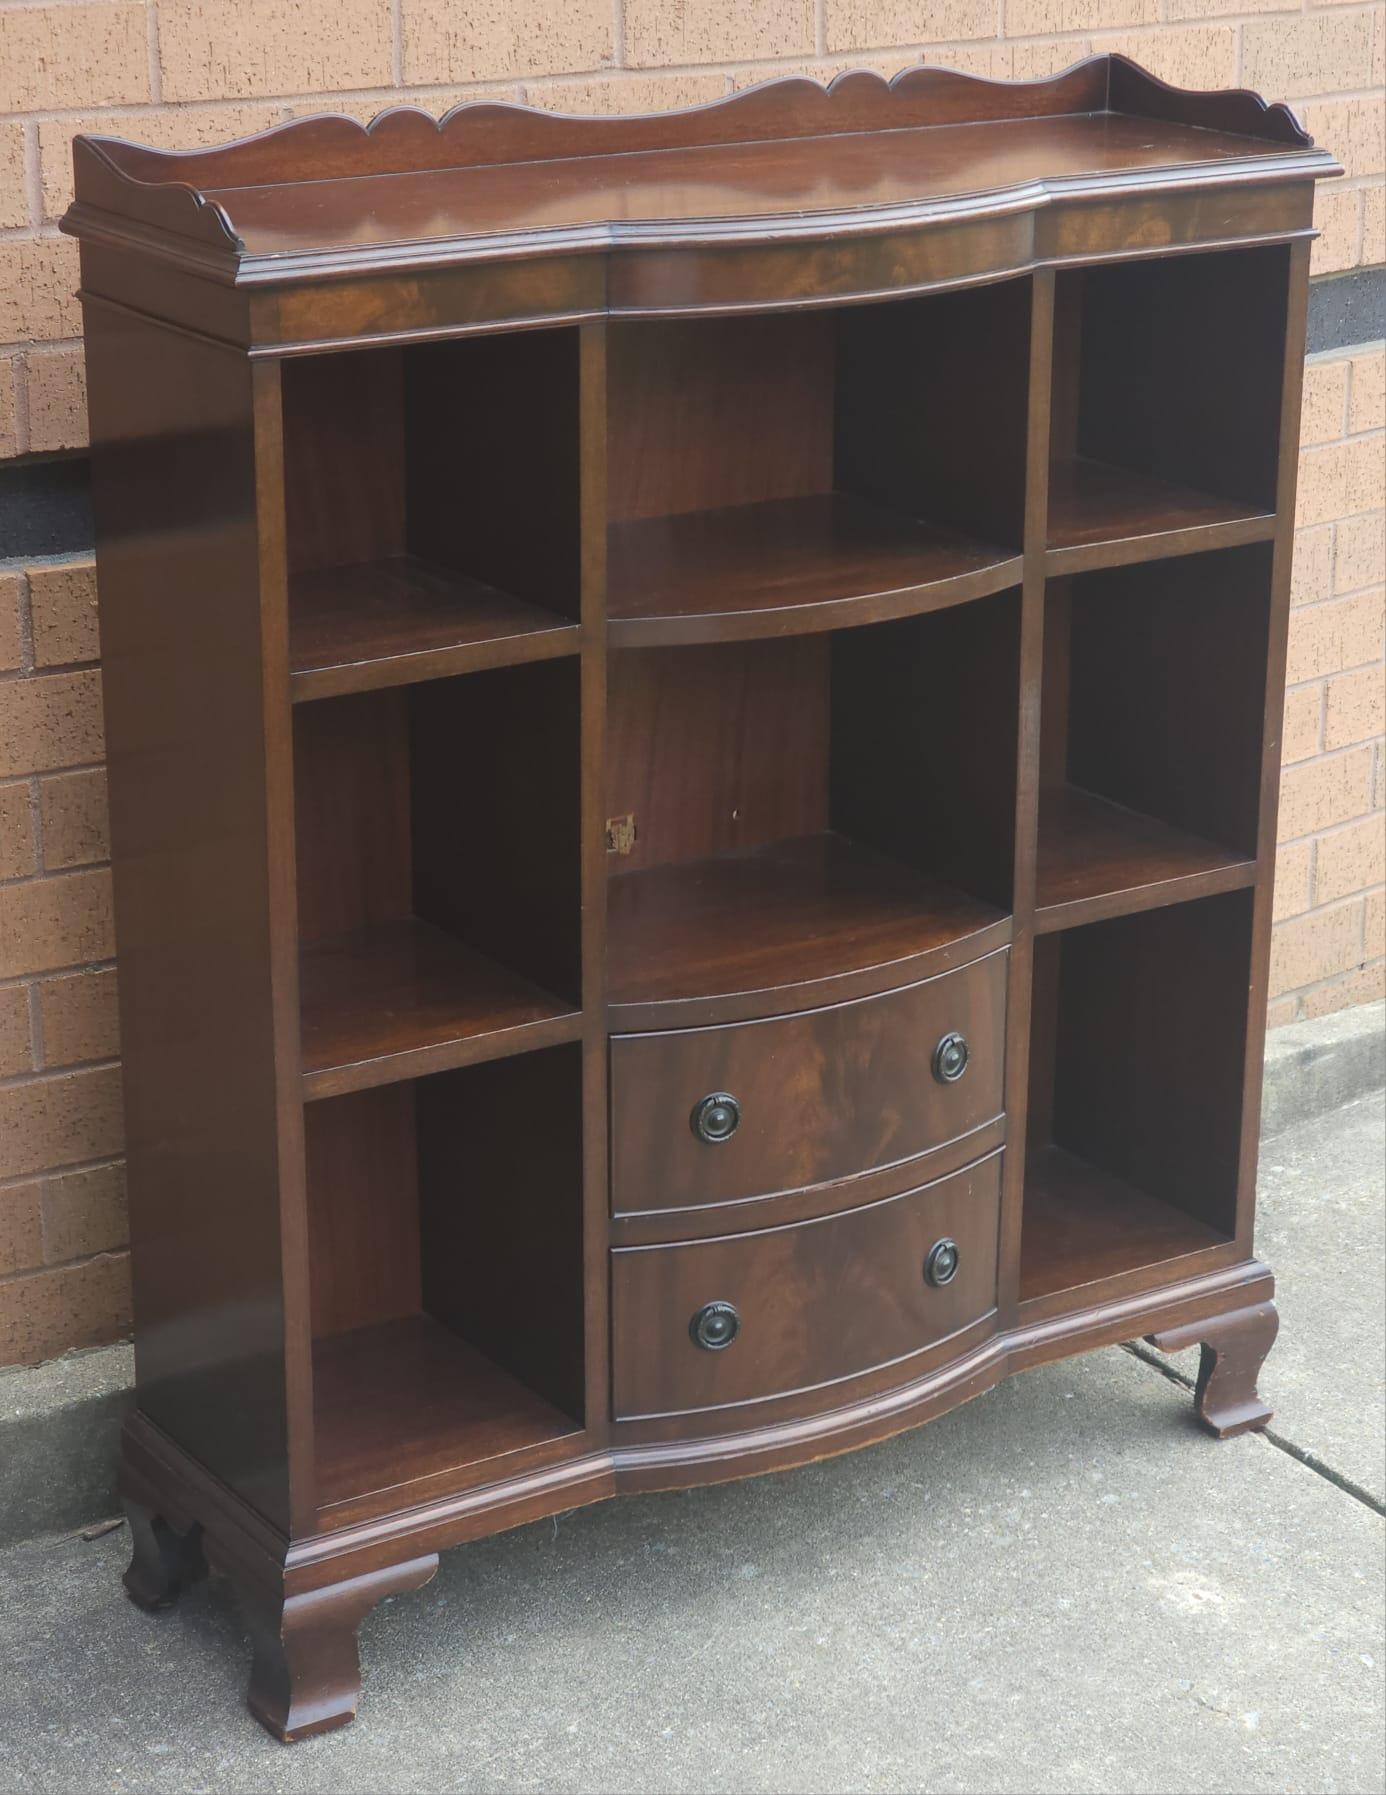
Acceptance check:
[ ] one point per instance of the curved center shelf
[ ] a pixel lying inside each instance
(788, 566)
(782, 928)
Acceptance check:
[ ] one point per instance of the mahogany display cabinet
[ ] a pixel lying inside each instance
(694, 715)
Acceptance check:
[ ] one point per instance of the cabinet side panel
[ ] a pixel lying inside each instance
(178, 566)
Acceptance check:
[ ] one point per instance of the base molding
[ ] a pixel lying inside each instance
(306, 1597)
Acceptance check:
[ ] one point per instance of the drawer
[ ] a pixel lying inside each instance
(818, 1097)
(763, 1314)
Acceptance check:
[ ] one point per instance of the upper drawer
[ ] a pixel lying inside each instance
(813, 1098)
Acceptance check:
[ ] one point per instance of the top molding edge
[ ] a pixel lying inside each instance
(169, 190)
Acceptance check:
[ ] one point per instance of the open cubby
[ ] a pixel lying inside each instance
(795, 810)
(446, 1274)
(1153, 710)
(1165, 422)
(1137, 1068)
(438, 874)
(798, 471)
(431, 509)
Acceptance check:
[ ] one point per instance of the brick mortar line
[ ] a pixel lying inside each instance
(1289, 841)
(48, 975)
(11, 1278)
(80, 766)
(1355, 897)
(20, 1080)
(1349, 1486)
(1338, 828)
(47, 1074)
(1335, 598)
(101, 1162)
(42, 871)
(40, 670)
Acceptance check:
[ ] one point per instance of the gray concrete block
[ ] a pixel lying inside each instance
(1321, 1227)
(1315, 1067)
(59, 1428)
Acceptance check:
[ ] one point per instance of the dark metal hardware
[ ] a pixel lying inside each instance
(950, 1058)
(941, 1267)
(716, 1118)
(714, 1327)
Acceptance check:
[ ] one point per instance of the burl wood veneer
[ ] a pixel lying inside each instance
(693, 709)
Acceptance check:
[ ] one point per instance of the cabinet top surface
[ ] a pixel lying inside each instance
(788, 159)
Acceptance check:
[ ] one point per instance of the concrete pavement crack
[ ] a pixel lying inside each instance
(1148, 1356)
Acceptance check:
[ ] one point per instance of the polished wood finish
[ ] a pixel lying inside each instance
(602, 612)
(1083, 1225)
(1105, 516)
(823, 1095)
(787, 565)
(1099, 859)
(404, 998)
(818, 1301)
(390, 622)
(812, 918)
(404, 1399)
(1232, 1350)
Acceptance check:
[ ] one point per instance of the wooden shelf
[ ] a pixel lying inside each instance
(782, 928)
(787, 566)
(404, 1400)
(404, 999)
(1098, 859)
(390, 622)
(1106, 516)
(1082, 1225)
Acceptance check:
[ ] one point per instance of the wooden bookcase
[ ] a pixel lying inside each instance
(693, 710)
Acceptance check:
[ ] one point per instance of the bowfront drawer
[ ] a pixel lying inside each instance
(718, 1115)
(777, 1310)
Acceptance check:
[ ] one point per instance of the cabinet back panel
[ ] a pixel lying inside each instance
(1167, 687)
(363, 1216)
(1181, 367)
(931, 406)
(496, 815)
(719, 749)
(351, 798)
(924, 737)
(718, 411)
(1149, 1050)
(500, 1191)
(492, 450)
(343, 458)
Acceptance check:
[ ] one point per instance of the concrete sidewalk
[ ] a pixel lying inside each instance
(1064, 1586)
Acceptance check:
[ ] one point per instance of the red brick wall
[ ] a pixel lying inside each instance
(182, 72)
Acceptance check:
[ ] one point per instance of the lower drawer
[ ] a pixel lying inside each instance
(762, 1314)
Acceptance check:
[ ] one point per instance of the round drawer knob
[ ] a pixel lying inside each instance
(941, 1267)
(716, 1118)
(950, 1058)
(714, 1327)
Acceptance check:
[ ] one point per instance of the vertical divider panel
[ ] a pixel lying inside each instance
(195, 681)
(1021, 961)
(270, 502)
(1287, 471)
(592, 437)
